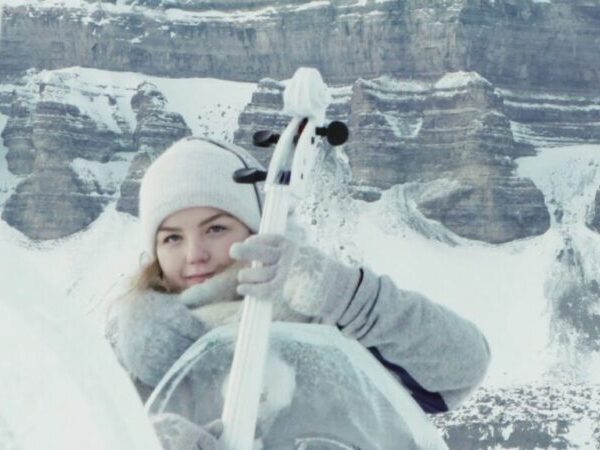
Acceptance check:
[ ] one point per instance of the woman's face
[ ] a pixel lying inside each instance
(192, 245)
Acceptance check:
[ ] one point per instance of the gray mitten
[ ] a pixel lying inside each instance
(175, 432)
(308, 281)
(154, 330)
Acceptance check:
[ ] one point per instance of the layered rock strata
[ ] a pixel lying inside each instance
(17, 136)
(414, 131)
(525, 44)
(454, 127)
(547, 119)
(52, 202)
(543, 55)
(548, 46)
(593, 221)
(45, 138)
(156, 129)
(527, 49)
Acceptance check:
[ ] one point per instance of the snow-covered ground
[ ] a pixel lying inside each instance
(61, 289)
(61, 386)
(502, 288)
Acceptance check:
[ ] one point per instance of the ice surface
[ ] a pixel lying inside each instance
(61, 386)
(319, 384)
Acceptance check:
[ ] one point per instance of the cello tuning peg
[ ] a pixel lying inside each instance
(248, 176)
(264, 138)
(336, 132)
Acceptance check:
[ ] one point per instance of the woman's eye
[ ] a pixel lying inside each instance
(171, 238)
(216, 228)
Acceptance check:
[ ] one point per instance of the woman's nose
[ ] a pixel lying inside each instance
(197, 251)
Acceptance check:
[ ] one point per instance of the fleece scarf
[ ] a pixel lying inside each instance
(150, 330)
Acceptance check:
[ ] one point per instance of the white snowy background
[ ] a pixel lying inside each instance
(57, 371)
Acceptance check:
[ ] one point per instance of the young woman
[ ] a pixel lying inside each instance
(199, 227)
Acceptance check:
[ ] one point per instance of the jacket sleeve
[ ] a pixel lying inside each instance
(439, 356)
(148, 333)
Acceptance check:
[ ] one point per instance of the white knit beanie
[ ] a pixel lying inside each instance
(197, 172)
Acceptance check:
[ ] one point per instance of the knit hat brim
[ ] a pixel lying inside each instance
(197, 172)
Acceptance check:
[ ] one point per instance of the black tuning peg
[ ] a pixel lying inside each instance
(247, 176)
(336, 133)
(264, 138)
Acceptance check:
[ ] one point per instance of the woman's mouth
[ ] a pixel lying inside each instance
(199, 277)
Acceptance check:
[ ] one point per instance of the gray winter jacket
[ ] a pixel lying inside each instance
(439, 356)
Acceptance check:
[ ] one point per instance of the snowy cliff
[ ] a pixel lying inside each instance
(474, 138)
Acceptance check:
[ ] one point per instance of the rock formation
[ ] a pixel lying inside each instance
(45, 135)
(52, 202)
(408, 131)
(514, 44)
(156, 129)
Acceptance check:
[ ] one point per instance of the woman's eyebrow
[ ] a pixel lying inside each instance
(204, 222)
(163, 228)
(216, 216)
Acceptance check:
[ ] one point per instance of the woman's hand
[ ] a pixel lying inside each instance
(175, 432)
(308, 281)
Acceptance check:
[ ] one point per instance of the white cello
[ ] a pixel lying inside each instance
(305, 99)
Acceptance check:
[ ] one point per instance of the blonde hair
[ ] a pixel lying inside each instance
(151, 277)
